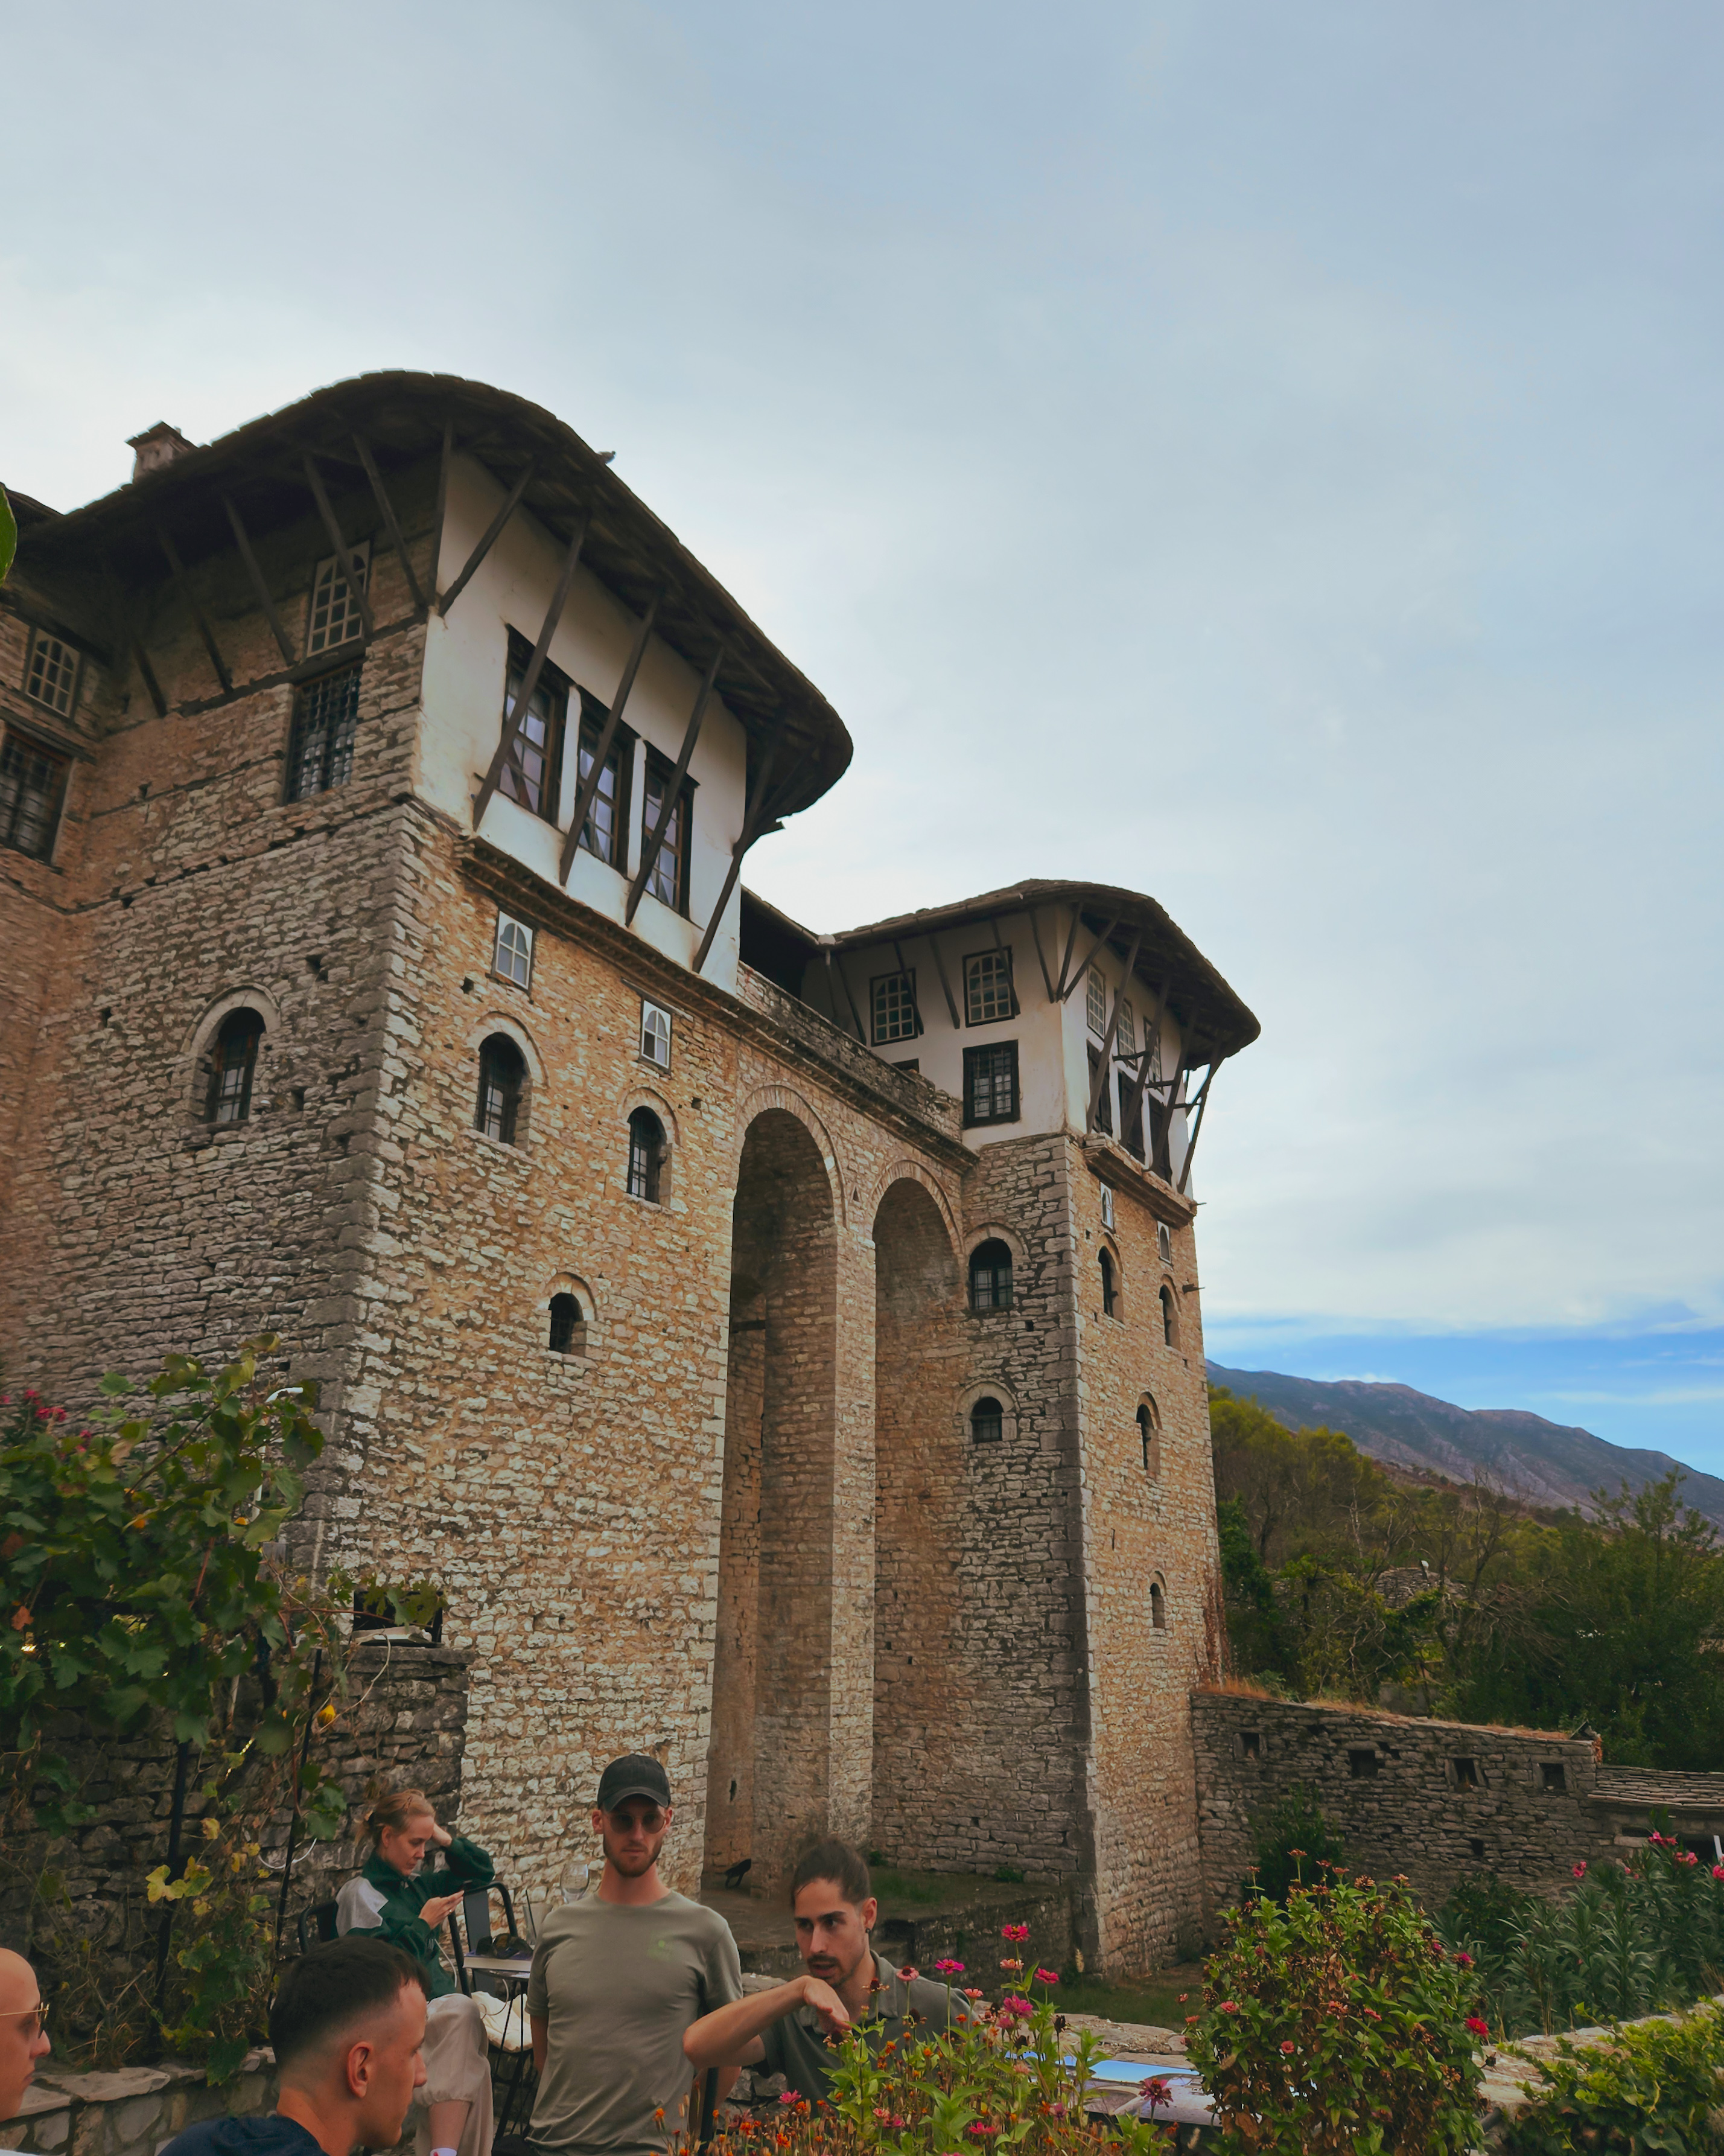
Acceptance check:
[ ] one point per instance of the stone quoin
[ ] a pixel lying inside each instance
(783, 1349)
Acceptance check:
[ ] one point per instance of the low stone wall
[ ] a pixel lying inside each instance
(133, 2112)
(1434, 1800)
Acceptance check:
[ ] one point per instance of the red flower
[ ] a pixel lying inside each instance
(1047, 1976)
(1477, 2027)
(1465, 1960)
(1014, 2010)
(972, 1994)
(1580, 1871)
(910, 1975)
(1718, 1871)
(1019, 1931)
(948, 1968)
(1288, 2050)
(1230, 2006)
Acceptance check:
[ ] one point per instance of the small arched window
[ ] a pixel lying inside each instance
(1149, 1432)
(232, 1065)
(1169, 1318)
(565, 1319)
(1158, 1606)
(502, 1078)
(1164, 1243)
(646, 1155)
(1110, 1286)
(987, 1422)
(991, 1276)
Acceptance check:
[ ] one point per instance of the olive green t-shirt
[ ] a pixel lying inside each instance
(618, 1986)
(796, 2047)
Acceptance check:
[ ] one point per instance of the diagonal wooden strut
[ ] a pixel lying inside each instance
(1047, 980)
(1113, 1026)
(512, 502)
(588, 788)
(843, 978)
(344, 552)
(945, 985)
(915, 1008)
(752, 820)
(440, 508)
(1191, 1143)
(1090, 958)
(183, 585)
(259, 587)
(1140, 1085)
(517, 713)
(1059, 993)
(652, 840)
(386, 509)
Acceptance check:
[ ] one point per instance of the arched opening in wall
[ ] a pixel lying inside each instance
(234, 1062)
(502, 1086)
(1110, 1284)
(1149, 1431)
(568, 1325)
(771, 1778)
(1157, 1606)
(919, 1494)
(990, 1276)
(646, 1152)
(1170, 1317)
(988, 1421)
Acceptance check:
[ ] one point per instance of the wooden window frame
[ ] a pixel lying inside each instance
(514, 1094)
(340, 745)
(1108, 1266)
(320, 642)
(660, 1010)
(645, 1177)
(1094, 995)
(554, 686)
(591, 727)
(972, 1058)
(661, 769)
(231, 1029)
(499, 970)
(1002, 953)
(987, 1429)
(995, 1303)
(877, 982)
(40, 638)
(17, 746)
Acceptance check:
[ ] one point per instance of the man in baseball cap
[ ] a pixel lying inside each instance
(616, 1980)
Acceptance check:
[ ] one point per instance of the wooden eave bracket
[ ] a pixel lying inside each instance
(1108, 1161)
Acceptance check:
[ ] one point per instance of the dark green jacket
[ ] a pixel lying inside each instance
(398, 1920)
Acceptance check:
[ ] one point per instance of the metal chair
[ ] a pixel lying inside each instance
(321, 1915)
(515, 2094)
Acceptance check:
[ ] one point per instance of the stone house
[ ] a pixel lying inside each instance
(784, 1350)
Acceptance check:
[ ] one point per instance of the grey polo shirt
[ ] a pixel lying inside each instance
(796, 2047)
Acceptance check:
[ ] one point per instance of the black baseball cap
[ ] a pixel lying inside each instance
(633, 1775)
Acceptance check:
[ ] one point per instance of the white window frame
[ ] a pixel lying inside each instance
(1095, 1003)
(656, 1028)
(338, 604)
(979, 990)
(1107, 1207)
(48, 650)
(519, 952)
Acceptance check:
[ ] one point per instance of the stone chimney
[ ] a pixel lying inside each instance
(157, 446)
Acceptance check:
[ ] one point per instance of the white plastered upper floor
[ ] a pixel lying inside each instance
(466, 656)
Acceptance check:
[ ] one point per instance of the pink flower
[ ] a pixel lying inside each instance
(1689, 1856)
(1287, 2050)
(1718, 1871)
(1047, 1976)
(910, 1975)
(788, 2096)
(1018, 1932)
(884, 2116)
(1580, 1871)
(1157, 2088)
(948, 1968)
(1230, 2006)
(1014, 2010)
(1654, 1837)
(1464, 1960)
(1477, 2027)
(972, 1994)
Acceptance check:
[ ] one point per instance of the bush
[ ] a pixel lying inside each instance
(1339, 2023)
(1291, 1842)
(1657, 2086)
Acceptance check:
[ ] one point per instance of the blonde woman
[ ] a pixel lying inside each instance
(398, 1899)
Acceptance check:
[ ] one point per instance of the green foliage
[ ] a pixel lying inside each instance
(1631, 1938)
(1337, 2023)
(1254, 1624)
(1292, 1841)
(226, 1963)
(1656, 2087)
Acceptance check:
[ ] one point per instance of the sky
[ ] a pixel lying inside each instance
(1265, 456)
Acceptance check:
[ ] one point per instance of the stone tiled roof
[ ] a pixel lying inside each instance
(1650, 1787)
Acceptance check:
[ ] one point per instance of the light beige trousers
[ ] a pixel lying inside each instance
(457, 2070)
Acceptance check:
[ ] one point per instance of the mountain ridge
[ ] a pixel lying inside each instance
(1546, 1463)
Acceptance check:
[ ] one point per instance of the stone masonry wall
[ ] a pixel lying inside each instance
(1392, 1788)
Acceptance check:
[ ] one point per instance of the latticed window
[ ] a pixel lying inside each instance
(895, 1016)
(605, 819)
(502, 1079)
(32, 781)
(232, 1066)
(1124, 1039)
(668, 881)
(987, 1422)
(991, 1276)
(646, 1155)
(1095, 1002)
(533, 773)
(655, 1034)
(987, 988)
(52, 675)
(513, 957)
(326, 719)
(335, 613)
(991, 1083)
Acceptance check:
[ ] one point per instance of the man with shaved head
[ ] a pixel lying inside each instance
(347, 2028)
(23, 2038)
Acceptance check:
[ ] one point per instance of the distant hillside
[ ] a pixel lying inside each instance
(1546, 1463)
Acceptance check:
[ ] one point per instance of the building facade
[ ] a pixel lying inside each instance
(783, 1350)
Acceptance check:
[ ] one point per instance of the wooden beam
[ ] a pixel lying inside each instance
(258, 585)
(1113, 1023)
(1065, 962)
(386, 510)
(510, 502)
(440, 508)
(999, 944)
(652, 840)
(344, 552)
(183, 585)
(1191, 1143)
(915, 1008)
(843, 978)
(1151, 1040)
(945, 985)
(148, 674)
(1047, 981)
(516, 717)
(1089, 957)
(751, 821)
(588, 788)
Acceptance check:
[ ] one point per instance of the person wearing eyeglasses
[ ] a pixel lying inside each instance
(23, 2034)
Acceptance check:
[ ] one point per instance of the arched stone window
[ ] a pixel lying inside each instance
(1110, 1285)
(991, 1276)
(1149, 1429)
(232, 1065)
(502, 1079)
(1158, 1606)
(1170, 1317)
(567, 1323)
(988, 1421)
(646, 1155)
